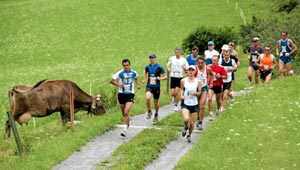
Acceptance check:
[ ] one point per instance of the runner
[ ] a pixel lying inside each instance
(191, 89)
(235, 56)
(230, 66)
(177, 66)
(285, 49)
(217, 74)
(153, 74)
(254, 52)
(125, 81)
(192, 58)
(201, 74)
(266, 65)
(210, 52)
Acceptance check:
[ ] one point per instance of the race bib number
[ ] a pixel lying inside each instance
(153, 80)
(127, 88)
(254, 58)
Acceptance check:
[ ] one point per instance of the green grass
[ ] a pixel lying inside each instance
(84, 41)
(145, 147)
(260, 131)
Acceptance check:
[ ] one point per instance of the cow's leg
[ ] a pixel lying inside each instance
(64, 117)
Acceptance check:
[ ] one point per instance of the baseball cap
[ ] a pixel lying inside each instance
(191, 67)
(255, 39)
(152, 55)
(225, 47)
(210, 43)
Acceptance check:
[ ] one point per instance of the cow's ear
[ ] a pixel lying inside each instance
(98, 97)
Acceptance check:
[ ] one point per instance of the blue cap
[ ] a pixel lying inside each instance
(210, 43)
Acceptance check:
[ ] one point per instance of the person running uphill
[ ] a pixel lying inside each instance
(217, 74)
(177, 66)
(153, 74)
(230, 66)
(191, 89)
(285, 48)
(210, 52)
(201, 75)
(254, 52)
(266, 64)
(192, 58)
(125, 80)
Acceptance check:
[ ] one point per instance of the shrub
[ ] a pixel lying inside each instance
(202, 35)
(285, 5)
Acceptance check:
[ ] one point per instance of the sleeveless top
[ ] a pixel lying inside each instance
(189, 88)
(202, 76)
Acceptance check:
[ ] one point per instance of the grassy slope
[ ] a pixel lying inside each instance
(259, 132)
(76, 40)
(84, 41)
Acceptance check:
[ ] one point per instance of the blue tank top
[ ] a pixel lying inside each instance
(191, 60)
(284, 46)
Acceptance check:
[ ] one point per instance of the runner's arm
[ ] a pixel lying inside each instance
(181, 87)
(115, 82)
(294, 47)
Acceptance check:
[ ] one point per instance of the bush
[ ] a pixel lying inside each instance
(285, 5)
(202, 35)
(108, 97)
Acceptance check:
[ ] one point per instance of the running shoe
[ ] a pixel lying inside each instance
(189, 138)
(149, 115)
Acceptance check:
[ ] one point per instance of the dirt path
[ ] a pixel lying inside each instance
(168, 158)
(101, 148)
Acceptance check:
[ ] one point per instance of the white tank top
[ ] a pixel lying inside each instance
(202, 76)
(189, 88)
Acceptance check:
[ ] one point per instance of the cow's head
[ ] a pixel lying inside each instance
(97, 107)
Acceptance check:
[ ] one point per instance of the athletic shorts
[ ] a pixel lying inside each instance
(191, 109)
(285, 59)
(254, 66)
(155, 92)
(124, 98)
(217, 89)
(175, 82)
(226, 86)
(264, 74)
(204, 88)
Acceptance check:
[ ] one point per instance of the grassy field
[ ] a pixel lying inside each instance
(84, 41)
(260, 131)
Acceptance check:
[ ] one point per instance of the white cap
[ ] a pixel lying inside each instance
(225, 47)
(191, 67)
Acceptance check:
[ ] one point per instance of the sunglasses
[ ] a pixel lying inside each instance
(125, 65)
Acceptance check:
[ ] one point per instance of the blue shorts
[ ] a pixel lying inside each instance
(208, 61)
(285, 59)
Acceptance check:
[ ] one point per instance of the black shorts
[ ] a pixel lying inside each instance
(175, 82)
(124, 98)
(191, 109)
(265, 73)
(254, 66)
(217, 90)
(226, 86)
(155, 92)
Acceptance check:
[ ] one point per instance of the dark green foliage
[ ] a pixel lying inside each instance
(202, 35)
(286, 5)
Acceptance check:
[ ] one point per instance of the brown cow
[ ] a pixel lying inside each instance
(49, 96)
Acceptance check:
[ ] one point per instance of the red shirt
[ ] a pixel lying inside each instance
(216, 69)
